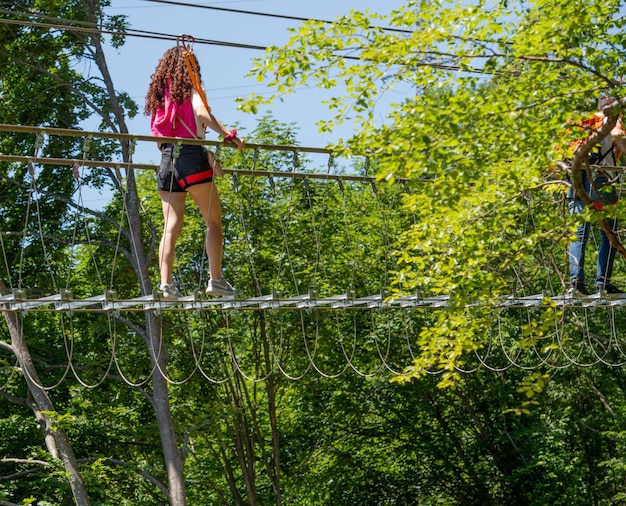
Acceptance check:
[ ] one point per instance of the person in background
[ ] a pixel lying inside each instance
(608, 153)
(177, 110)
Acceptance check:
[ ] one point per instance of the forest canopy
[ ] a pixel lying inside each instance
(468, 402)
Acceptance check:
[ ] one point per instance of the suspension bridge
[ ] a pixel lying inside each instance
(20, 299)
(289, 284)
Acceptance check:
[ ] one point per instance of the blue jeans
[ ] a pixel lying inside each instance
(606, 254)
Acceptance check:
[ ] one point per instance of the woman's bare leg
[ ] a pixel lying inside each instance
(173, 205)
(207, 199)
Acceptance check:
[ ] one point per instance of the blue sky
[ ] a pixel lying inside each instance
(224, 68)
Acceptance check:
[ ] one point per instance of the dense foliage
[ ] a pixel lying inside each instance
(298, 407)
(496, 85)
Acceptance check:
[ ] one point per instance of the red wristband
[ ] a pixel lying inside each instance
(231, 135)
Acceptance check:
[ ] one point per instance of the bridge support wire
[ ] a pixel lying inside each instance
(343, 315)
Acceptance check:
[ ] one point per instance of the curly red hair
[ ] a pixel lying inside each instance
(171, 66)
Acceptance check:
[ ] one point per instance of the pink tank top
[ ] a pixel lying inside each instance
(168, 120)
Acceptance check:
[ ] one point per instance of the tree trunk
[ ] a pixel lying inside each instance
(161, 404)
(56, 439)
(160, 397)
(271, 382)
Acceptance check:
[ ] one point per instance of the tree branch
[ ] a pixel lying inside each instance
(579, 163)
(26, 472)
(121, 463)
(62, 81)
(6, 346)
(74, 205)
(603, 400)
(13, 399)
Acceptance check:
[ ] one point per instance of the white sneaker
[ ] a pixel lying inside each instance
(170, 292)
(220, 287)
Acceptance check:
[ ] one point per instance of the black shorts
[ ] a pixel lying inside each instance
(191, 167)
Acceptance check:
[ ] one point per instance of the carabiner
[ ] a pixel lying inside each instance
(186, 41)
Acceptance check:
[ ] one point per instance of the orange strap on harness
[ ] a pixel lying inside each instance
(192, 66)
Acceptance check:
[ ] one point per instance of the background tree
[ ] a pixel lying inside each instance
(496, 86)
(284, 236)
(295, 407)
(49, 67)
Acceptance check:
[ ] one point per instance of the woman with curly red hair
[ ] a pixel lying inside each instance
(177, 110)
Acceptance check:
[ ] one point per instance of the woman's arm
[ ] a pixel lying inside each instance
(209, 120)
